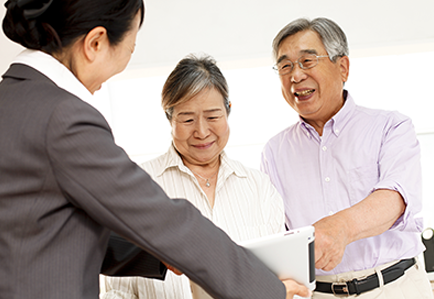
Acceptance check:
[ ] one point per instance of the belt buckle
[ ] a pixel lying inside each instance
(340, 289)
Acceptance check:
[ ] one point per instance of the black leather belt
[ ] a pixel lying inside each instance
(369, 283)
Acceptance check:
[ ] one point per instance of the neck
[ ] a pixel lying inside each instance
(65, 57)
(74, 61)
(207, 173)
(318, 124)
(205, 170)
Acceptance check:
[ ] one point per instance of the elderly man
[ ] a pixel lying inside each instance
(352, 172)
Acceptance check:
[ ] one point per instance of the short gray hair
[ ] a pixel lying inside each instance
(332, 36)
(191, 76)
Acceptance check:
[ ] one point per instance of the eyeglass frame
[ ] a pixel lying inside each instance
(276, 69)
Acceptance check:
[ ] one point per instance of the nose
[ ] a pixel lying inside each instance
(202, 129)
(297, 74)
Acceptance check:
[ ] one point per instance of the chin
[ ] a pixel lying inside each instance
(206, 160)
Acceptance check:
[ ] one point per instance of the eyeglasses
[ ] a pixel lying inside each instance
(305, 62)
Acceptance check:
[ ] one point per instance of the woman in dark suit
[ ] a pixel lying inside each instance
(64, 183)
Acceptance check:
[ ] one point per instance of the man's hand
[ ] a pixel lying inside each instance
(294, 288)
(370, 217)
(331, 239)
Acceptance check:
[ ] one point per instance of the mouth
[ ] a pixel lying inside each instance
(304, 93)
(203, 146)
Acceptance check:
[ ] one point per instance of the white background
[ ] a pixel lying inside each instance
(391, 53)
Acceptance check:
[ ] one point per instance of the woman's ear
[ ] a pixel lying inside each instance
(95, 42)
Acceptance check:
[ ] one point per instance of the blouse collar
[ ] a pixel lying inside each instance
(55, 71)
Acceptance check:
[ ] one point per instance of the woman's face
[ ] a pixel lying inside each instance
(115, 59)
(200, 128)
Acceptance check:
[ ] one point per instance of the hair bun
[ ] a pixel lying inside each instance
(33, 8)
(20, 23)
(51, 26)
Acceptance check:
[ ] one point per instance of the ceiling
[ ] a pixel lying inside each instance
(238, 33)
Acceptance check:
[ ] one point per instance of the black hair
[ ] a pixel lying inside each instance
(59, 23)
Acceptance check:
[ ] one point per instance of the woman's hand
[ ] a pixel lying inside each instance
(294, 288)
(173, 269)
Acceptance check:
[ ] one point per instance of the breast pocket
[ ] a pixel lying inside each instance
(361, 180)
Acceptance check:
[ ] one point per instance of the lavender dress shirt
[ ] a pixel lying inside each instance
(361, 150)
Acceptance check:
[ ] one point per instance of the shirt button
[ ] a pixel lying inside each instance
(327, 179)
(324, 148)
(331, 213)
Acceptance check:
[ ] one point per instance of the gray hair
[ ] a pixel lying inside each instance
(191, 76)
(332, 36)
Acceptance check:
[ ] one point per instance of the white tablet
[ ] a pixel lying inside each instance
(289, 254)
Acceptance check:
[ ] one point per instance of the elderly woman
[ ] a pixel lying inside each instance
(64, 182)
(239, 200)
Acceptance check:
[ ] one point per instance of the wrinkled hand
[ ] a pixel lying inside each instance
(294, 288)
(173, 269)
(331, 238)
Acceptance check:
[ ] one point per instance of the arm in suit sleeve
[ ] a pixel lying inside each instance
(123, 258)
(98, 177)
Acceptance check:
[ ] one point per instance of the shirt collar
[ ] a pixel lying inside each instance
(340, 119)
(232, 166)
(55, 71)
(337, 122)
(173, 159)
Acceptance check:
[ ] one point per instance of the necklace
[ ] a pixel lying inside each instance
(208, 184)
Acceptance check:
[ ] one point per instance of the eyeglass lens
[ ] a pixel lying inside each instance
(305, 62)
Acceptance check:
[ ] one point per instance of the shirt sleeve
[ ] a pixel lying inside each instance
(400, 170)
(267, 162)
(274, 202)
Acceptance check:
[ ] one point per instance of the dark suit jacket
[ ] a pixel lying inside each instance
(64, 184)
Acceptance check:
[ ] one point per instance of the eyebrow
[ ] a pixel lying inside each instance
(184, 114)
(302, 52)
(283, 57)
(206, 111)
(213, 110)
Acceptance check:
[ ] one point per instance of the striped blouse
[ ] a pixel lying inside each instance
(246, 206)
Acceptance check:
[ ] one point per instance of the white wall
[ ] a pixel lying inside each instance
(384, 37)
(239, 31)
(394, 82)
